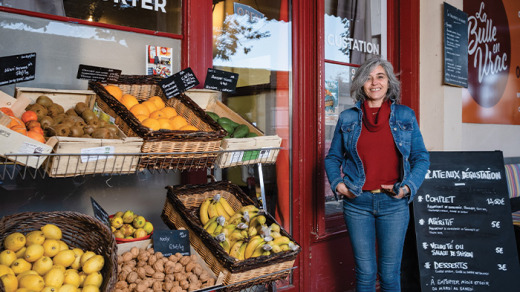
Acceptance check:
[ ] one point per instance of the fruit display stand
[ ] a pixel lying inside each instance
(193, 149)
(73, 165)
(237, 151)
(78, 230)
(180, 211)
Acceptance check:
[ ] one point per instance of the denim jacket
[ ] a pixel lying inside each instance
(343, 163)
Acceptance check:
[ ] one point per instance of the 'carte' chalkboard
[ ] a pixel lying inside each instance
(99, 212)
(98, 74)
(178, 83)
(455, 46)
(17, 68)
(221, 80)
(170, 242)
(463, 225)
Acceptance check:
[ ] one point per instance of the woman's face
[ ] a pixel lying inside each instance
(376, 86)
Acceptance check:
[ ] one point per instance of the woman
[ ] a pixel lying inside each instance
(377, 161)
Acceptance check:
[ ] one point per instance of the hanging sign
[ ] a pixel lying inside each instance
(463, 225)
(455, 46)
(98, 74)
(17, 68)
(99, 212)
(221, 80)
(178, 83)
(170, 242)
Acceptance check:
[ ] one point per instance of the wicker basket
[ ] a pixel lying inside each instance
(205, 142)
(79, 230)
(181, 210)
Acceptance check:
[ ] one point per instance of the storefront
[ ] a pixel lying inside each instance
(294, 60)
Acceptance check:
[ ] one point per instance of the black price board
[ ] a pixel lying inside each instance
(221, 80)
(178, 83)
(455, 46)
(463, 225)
(171, 242)
(99, 212)
(17, 68)
(99, 74)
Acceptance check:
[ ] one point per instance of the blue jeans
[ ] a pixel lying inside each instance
(377, 216)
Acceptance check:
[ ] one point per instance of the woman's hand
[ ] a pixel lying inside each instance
(344, 191)
(402, 191)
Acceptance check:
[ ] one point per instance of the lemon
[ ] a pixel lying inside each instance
(54, 278)
(64, 258)
(72, 277)
(67, 288)
(23, 290)
(10, 282)
(95, 279)
(86, 255)
(29, 272)
(51, 247)
(20, 265)
(7, 257)
(33, 252)
(94, 264)
(90, 288)
(82, 277)
(21, 252)
(62, 268)
(49, 289)
(51, 231)
(34, 237)
(14, 241)
(43, 265)
(63, 245)
(78, 252)
(5, 270)
(32, 282)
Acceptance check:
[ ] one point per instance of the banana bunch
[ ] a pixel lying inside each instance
(213, 207)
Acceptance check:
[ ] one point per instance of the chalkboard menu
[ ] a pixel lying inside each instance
(99, 212)
(178, 83)
(17, 68)
(99, 74)
(170, 242)
(455, 46)
(221, 80)
(463, 225)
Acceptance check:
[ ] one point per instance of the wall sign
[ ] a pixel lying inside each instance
(221, 80)
(99, 212)
(17, 68)
(178, 83)
(171, 242)
(99, 74)
(455, 46)
(463, 225)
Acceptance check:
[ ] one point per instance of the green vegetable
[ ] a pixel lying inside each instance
(213, 115)
(224, 120)
(240, 131)
(252, 134)
(228, 128)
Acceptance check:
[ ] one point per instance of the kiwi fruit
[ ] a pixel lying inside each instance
(39, 109)
(46, 122)
(55, 109)
(94, 122)
(102, 123)
(101, 133)
(76, 131)
(44, 100)
(89, 129)
(80, 107)
(88, 115)
(71, 112)
(62, 130)
(113, 129)
(59, 118)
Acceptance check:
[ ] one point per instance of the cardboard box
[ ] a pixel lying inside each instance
(81, 156)
(260, 148)
(12, 143)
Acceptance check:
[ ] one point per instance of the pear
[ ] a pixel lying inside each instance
(127, 230)
(140, 232)
(116, 222)
(128, 216)
(139, 222)
(148, 227)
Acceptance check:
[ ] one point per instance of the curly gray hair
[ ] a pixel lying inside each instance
(362, 74)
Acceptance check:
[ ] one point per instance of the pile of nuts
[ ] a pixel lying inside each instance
(145, 270)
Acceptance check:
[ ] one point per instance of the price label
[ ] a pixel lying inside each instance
(17, 68)
(99, 212)
(178, 83)
(99, 74)
(221, 80)
(170, 242)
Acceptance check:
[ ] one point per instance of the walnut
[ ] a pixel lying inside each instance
(157, 286)
(158, 275)
(141, 272)
(152, 259)
(185, 260)
(197, 270)
(159, 255)
(132, 277)
(190, 266)
(149, 270)
(184, 284)
(204, 276)
(178, 268)
(134, 251)
(127, 256)
(121, 285)
(159, 266)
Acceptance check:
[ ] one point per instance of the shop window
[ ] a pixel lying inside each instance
(155, 15)
(253, 39)
(354, 30)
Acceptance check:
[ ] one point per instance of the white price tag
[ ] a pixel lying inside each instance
(30, 148)
(97, 150)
